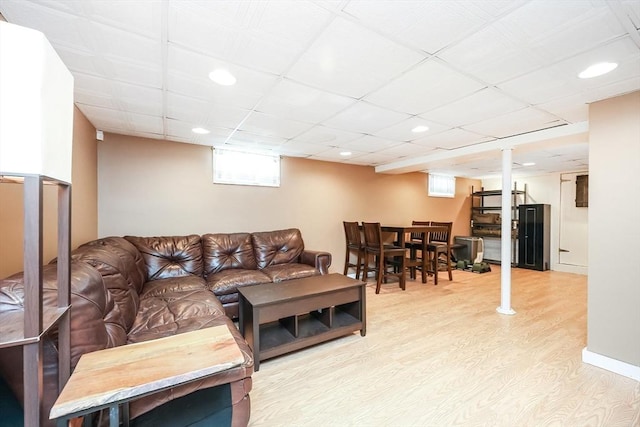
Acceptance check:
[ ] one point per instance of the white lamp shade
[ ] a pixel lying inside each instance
(36, 106)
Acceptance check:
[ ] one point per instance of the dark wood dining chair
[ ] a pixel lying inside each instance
(354, 246)
(440, 244)
(389, 260)
(420, 258)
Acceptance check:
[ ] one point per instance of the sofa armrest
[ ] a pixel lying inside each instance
(318, 259)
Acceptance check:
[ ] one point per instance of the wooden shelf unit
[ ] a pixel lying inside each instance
(491, 230)
(27, 328)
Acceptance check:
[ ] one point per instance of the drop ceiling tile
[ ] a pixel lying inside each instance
(268, 125)
(632, 7)
(80, 61)
(303, 103)
(370, 144)
(188, 74)
(333, 155)
(515, 123)
(429, 26)
(144, 123)
(425, 87)
(573, 109)
(350, 60)
(561, 79)
(476, 107)
(203, 114)
(95, 100)
(138, 99)
(300, 149)
(125, 46)
(451, 139)
(136, 73)
(250, 141)
(106, 118)
(613, 89)
(267, 36)
(373, 159)
(326, 136)
(140, 17)
(405, 149)
(596, 26)
(493, 54)
(364, 117)
(61, 28)
(155, 136)
(403, 131)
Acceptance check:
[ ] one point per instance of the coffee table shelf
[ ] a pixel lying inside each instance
(283, 317)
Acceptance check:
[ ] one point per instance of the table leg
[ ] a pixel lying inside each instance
(114, 416)
(256, 340)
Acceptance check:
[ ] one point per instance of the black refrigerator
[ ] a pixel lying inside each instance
(534, 236)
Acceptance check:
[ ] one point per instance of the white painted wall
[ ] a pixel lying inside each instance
(543, 189)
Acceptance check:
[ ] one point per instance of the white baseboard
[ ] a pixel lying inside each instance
(568, 268)
(613, 365)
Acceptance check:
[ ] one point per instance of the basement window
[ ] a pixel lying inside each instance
(442, 185)
(245, 168)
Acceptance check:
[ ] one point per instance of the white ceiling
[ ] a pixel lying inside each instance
(316, 78)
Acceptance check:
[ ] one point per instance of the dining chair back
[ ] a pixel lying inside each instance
(385, 257)
(420, 259)
(440, 244)
(354, 246)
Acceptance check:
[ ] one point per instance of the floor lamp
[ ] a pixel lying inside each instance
(36, 131)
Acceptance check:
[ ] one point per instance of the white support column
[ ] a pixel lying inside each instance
(505, 245)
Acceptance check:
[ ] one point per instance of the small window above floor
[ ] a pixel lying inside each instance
(245, 168)
(442, 185)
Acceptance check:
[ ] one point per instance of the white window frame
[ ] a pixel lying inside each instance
(240, 167)
(442, 185)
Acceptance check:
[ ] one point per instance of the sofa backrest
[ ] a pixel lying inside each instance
(222, 251)
(170, 256)
(277, 247)
(122, 271)
(96, 321)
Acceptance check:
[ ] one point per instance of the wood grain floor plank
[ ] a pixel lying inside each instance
(442, 356)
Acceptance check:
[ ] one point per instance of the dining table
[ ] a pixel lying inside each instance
(402, 231)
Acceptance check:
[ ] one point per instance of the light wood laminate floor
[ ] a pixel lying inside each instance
(442, 356)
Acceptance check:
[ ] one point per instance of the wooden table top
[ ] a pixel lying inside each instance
(269, 293)
(120, 374)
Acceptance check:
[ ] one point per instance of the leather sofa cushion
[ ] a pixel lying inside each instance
(228, 281)
(161, 287)
(282, 272)
(171, 312)
(96, 321)
(165, 257)
(277, 247)
(114, 271)
(137, 272)
(222, 251)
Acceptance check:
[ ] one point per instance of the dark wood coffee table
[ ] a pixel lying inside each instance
(278, 318)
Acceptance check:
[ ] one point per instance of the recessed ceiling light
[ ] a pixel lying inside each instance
(419, 129)
(529, 164)
(200, 131)
(598, 69)
(222, 77)
(345, 153)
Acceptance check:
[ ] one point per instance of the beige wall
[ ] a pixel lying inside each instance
(614, 229)
(153, 187)
(84, 213)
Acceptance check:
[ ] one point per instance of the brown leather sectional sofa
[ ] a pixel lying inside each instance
(133, 289)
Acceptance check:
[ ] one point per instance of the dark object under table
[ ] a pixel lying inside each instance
(278, 318)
